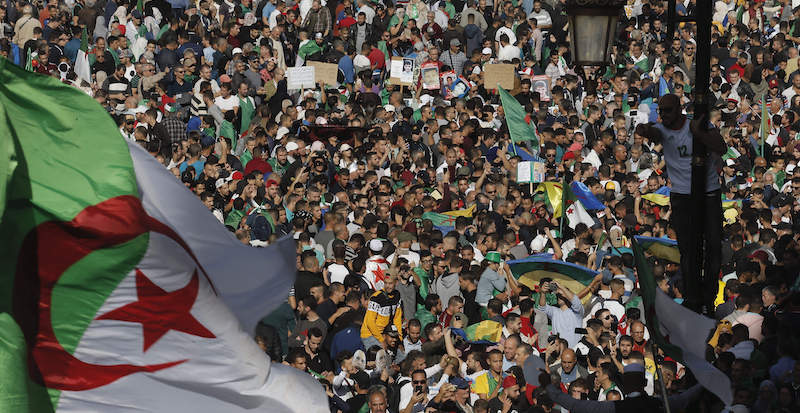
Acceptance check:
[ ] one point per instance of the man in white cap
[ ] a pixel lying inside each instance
(377, 267)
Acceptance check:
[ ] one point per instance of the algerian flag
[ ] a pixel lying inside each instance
(121, 292)
(681, 333)
(576, 214)
(518, 128)
(82, 67)
(576, 192)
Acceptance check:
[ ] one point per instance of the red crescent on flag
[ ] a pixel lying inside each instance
(46, 252)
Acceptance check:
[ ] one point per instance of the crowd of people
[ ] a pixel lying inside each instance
(389, 294)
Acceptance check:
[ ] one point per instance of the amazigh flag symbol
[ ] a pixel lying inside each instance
(121, 292)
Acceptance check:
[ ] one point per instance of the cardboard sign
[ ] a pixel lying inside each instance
(325, 72)
(501, 73)
(530, 172)
(541, 84)
(401, 71)
(300, 77)
(430, 76)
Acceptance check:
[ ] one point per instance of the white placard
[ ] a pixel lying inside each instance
(300, 78)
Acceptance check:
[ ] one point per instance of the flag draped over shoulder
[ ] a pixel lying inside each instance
(678, 331)
(530, 270)
(518, 128)
(120, 291)
(82, 67)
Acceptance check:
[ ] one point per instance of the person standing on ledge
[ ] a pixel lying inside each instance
(676, 134)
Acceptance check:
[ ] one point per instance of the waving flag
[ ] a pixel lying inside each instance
(446, 221)
(678, 331)
(82, 68)
(121, 292)
(485, 331)
(664, 248)
(529, 271)
(577, 199)
(518, 128)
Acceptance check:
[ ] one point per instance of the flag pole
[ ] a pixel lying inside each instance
(660, 376)
(563, 206)
(764, 121)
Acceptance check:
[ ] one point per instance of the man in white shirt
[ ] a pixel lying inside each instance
(507, 52)
(225, 101)
(506, 29)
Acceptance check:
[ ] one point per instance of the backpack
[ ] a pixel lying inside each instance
(394, 394)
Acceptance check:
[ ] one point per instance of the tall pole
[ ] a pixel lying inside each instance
(703, 12)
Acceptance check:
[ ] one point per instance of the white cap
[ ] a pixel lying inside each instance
(538, 243)
(220, 182)
(345, 147)
(486, 50)
(730, 162)
(376, 245)
(292, 146)
(236, 50)
(389, 108)
(317, 146)
(790, 168)
(425, 99)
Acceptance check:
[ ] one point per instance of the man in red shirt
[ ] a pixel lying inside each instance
(377, 60)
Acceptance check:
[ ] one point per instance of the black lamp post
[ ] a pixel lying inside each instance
(592, 25)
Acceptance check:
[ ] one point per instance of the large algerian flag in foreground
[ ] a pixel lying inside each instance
(82, 67)
(518, 128)
(680, 332)
(529, 271)
(120, 291)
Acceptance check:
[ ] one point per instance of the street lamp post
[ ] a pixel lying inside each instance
(702, 19)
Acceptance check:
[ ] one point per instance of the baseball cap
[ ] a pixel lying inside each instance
(493, 256)
(486, 50)
(388, 108)
(509, 381)
(345, 147)
(236, 50)
(292, 146)
(455, 42)
(405, 236)
(459, 382)
(391, 330)
(318, 35)
(773, 83)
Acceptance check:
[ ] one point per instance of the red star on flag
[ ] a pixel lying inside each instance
(380, 276)
(570, 210)
(159, 311)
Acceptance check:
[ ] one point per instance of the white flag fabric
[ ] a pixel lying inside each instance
(689, 330)
(209, 291)
(576, 214)
(82, 69)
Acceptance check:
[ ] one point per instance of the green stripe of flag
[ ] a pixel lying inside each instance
(518, 128)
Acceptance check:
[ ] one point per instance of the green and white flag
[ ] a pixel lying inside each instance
(82, 67)
(518, 128)
(680, 332)
(120, 291)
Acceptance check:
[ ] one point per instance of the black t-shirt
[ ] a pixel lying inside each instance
(320, 363)
(326, 309)
(305, 280)
(521, 405)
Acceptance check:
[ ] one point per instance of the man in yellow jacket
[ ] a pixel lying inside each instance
(384, 307)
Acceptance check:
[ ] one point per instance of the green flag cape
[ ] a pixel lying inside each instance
(518, 128)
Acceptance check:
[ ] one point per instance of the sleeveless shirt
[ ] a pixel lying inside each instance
(678, 155)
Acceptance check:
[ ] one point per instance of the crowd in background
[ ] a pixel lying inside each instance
(404, 199)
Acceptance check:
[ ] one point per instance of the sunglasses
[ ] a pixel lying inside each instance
(418, 382)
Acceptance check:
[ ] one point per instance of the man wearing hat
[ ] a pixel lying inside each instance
(509, 400)
(454, 57)
(384, 309)
(492, 279)
(377, 267)
(404, 241)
